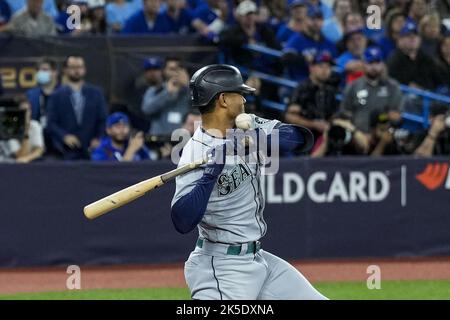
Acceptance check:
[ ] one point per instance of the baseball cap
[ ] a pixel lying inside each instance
(373, 54)
(350, 33)
(409, 28)
(315, 12)
(297, 3)
(246, 7)
(152, 63)
(323, 56)
(117, 117)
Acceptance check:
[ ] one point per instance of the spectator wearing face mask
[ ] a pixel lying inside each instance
(47, 79)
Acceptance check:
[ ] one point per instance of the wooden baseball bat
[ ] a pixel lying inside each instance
(124, 196)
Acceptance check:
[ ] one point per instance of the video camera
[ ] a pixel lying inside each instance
(12, 120)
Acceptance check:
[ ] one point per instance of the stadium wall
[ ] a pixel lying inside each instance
(315, 209)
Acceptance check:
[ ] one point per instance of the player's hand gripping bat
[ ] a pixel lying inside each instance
(124, 196)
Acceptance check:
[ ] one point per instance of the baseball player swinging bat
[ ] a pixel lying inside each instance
(124, 196)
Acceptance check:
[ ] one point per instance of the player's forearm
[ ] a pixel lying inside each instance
(188, 211)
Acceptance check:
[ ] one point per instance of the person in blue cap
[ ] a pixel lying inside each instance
(373, 93)
(350, 64)
(118, 145)
(298, 10)
(301, 48)
(153, 71)
(409, 65)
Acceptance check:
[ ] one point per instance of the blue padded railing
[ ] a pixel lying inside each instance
(426, 96)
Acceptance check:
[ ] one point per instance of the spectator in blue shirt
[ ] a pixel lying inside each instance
(118, 145)
(209, 19)
(76, 113)
(302, 47)
(351, 63)
(49, 6)
(117, 12)
(149, 20)
(178, 18)
(333, 28)
(5, 12)
(296, 23)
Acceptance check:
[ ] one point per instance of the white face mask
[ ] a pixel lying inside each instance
(43, 77)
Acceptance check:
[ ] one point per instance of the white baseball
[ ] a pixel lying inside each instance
(243, 121)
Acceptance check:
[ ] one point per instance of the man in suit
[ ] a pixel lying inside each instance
(76, 113)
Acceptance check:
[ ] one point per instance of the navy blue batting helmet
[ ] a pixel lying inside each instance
(211, 80)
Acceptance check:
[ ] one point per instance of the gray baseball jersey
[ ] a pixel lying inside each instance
(235, 209)
(234, 215)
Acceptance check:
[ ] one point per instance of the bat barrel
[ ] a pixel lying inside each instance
(120, 198)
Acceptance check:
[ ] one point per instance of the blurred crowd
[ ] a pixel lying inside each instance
(348, 67)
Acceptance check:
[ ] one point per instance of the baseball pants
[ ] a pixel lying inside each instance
(260, 276)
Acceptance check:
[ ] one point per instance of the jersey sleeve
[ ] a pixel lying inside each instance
(186, 182)
(264, 124)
